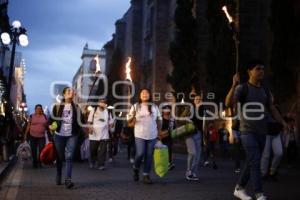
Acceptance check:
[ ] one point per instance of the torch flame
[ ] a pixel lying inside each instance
(182, 100)
(128, 69)
(98, 68)
(224, 8)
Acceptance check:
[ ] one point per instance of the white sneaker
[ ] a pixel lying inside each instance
(131, 160)
(241, 194)
(110, 160)
(206, 163)
(101, 168)
(260, 197)
(195, 177)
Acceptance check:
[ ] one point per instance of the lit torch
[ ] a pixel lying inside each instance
(234, 30)
(224, 8)
(128, 70)
(182, 101)
(98, 68)
(128, 78)
(97, 72)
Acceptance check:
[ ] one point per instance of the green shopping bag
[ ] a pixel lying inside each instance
(184, 130)
(161, 159)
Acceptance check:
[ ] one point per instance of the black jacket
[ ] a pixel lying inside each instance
(77, 117)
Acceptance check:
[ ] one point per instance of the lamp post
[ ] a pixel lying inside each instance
(16, 36)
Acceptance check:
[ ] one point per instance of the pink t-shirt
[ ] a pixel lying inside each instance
(38, 125)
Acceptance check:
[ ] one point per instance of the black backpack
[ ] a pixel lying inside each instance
(242, 101)
(245, 89)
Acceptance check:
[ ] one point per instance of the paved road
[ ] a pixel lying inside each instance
(115, 182)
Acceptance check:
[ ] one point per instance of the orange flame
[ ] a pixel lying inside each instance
(128, 69)
(224, 8)
(98, 68)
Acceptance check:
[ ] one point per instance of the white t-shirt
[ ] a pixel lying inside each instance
(67, 120)
(145, 125)
(101, 123)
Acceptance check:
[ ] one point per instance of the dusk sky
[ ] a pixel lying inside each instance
(58, 31)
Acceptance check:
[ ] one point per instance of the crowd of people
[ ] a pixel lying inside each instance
(261, 139)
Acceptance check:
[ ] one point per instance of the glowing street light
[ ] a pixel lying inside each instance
(16, 35)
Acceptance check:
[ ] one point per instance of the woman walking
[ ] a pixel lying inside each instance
(67, 115)
(35, 132)
(147, 124)
(193, 142)
(100, 122)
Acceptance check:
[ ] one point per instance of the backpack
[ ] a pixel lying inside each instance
(108, 119)
(244, 94)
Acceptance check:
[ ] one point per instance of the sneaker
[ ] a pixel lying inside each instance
(260, 196)
(195, 177)
(241, 194)
(206, 163)
(147, 180)
(171, 166)
(131, 160)
(237, 170)
(190, 177)
(101, 168)
(69, 184)
(110, 160)
(136, 175)
(58, 180)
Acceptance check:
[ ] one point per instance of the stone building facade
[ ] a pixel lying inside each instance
(147, 28)
(144, 33)
(83, 81)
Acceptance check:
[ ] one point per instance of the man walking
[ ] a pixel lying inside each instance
(254, 101)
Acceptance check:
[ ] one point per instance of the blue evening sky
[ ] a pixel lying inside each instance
(58, 31)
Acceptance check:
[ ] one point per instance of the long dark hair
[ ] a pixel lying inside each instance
(63, 92)
(150, 101)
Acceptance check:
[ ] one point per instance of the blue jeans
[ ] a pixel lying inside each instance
(274, 144)
(65, 148)
(253, 144)
(193, 144)
(144, 149)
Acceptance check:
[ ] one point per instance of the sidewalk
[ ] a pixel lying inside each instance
(5, 167)
(115, 182)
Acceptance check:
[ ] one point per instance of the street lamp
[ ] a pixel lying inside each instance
(23, 109)
(16, 36)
